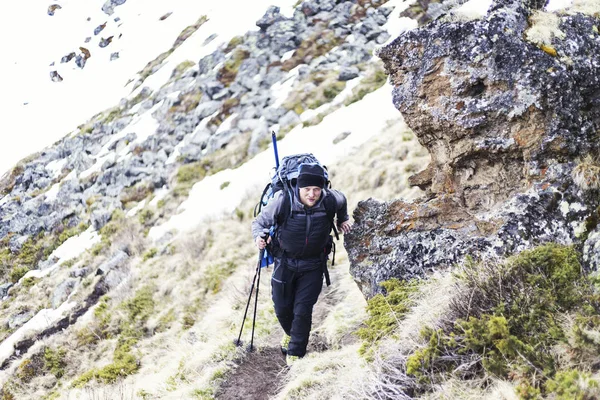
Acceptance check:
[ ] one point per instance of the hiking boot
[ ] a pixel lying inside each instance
(285, 342)
(289, 360)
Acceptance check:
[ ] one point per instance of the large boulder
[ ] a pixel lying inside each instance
(506, 118)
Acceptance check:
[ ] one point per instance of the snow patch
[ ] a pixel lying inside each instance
(54, 167)
(76, 245)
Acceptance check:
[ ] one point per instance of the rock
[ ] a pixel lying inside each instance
(16, 242)
(79, 272)
(109, 6)
(62, 292)
(105, 41)
(206, 109)
(80, 61)
(68, 57)
(4, 289)
(99, 28)
(99, 218)
(118, 259)
(289, 119)
(55, 77)
(52, 8)
(17, 320)
(505, 123)
(347, 73)
(273, 114)
(259, 134)
(271, 16)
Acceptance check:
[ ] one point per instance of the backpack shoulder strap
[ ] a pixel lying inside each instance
(330, 209)
(286, 207)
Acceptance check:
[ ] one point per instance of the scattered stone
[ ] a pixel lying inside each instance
(109, 6)
(55, 77)
(4, 289)
(348, 73)
(17, 320)
(62, 292)
(52, 8)
(105, 42)
(68, 57)
(99, 29)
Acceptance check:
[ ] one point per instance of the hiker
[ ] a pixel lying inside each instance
(300, 247)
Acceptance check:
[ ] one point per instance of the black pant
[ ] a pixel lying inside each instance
(294, 295)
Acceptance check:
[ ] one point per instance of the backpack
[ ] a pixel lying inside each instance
(285, 178)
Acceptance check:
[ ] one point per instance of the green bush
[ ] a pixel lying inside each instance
(145, 216)
(54, 361)
(572, 385)
(386, 311)
(151, 253)
(509, 321)
(192, 172)
(17, 273)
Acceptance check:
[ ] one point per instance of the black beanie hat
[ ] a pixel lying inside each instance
(311, 175)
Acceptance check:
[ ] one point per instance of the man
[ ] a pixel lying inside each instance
(300, 246)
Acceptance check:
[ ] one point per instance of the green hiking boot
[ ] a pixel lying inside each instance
(289, 360)
(285, 342)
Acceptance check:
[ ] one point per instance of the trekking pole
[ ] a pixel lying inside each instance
(238, 342)
(274, 139)
(260, 257)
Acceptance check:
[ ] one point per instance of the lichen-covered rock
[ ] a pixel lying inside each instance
(505, 122)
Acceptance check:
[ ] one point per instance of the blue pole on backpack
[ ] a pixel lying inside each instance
(274, 139)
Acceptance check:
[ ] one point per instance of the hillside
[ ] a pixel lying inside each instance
(127, 257)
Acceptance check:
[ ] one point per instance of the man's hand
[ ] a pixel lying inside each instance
(262, 243)
(346, 226)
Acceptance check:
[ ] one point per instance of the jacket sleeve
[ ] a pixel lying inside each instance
(342, 206)
(268, 215)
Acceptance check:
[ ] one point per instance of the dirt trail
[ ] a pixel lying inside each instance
(261, 374)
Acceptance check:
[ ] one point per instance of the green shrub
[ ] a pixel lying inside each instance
(192, 172)
(54, 361)
(17, 273)
(509, 321)
(151, 253)
(228, 72)
(181, 68)
(216, 274)
(386, 311)
(141, 305)
(26, 370)
(29, 282)
(572, 385)
(136, 193)
(124, 364)
(145, 216)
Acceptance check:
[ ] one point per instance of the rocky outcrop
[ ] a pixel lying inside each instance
(505, 121)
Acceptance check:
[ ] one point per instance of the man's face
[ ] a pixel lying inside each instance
(309, 195)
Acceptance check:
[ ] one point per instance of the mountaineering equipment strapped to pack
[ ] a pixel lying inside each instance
(284, 179)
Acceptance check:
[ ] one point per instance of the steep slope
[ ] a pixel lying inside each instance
(103, 294)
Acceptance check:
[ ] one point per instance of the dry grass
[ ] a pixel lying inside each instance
(201, 284)
(586, 174)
